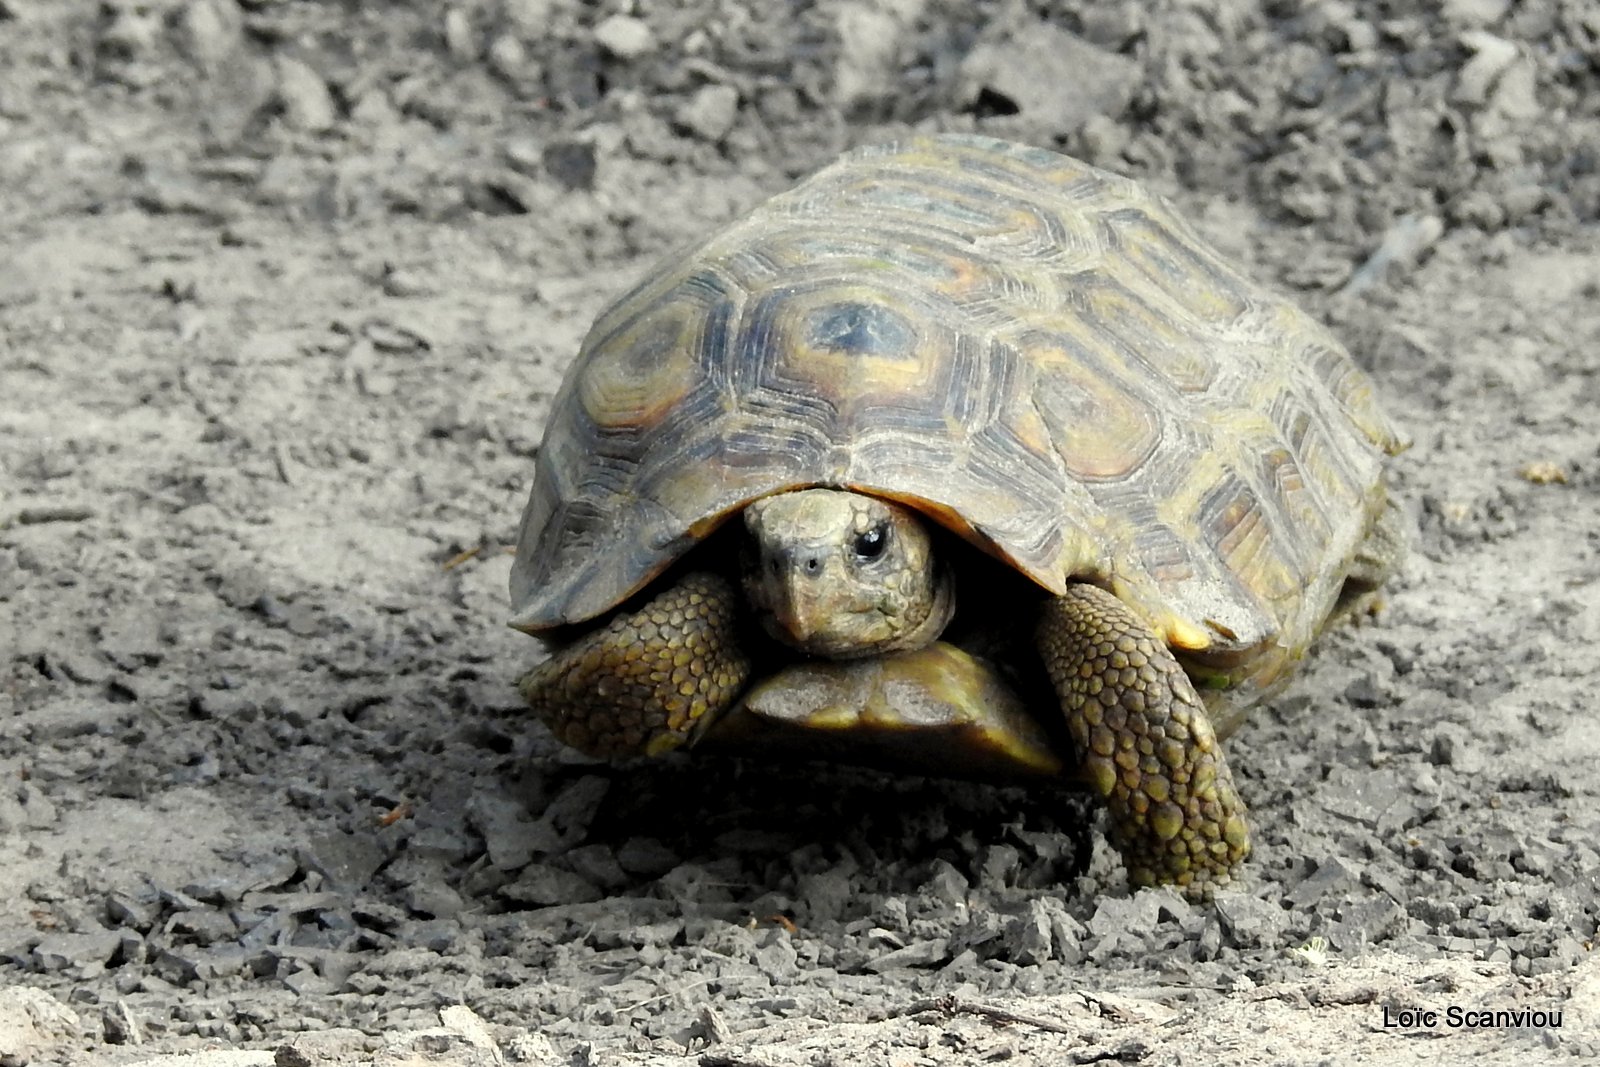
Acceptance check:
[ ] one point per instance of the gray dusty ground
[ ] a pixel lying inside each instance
(284, 291)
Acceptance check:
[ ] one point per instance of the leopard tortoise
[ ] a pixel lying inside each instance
(964, 450)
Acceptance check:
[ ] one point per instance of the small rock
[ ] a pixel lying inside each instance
(946, 884)
(347, 861)
(661, 933)
(1066, 933)
(1137, 915)
(511, 837)
(625, 37)
(1332, 876)
(646, 857)
(918, 954)
(542, 885)
(290, 1056)
(32, 1022)
(776, 958)
(1361, 796)
(434, 898)
(1365, 922)
(870, 37)
(711, 112)
(509, 59)
(1028, 937)
(203, 926)
(574, 808)
(982, 933)
(209, 31)
(459, 38)
(304, 97)
(1364, 692)
(308, 983)
(598, 863)
(38, 812)
(999, 866)
(531, 18)
(1249, 922)
(175, 967)
(572, 163)
(535, 1049)
(1041, 71)
(84, 952)
(1474, 12)
(438, 935)
(1492, 56)
(118, 1026)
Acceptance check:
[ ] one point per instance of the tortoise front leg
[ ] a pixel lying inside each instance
(646, 681)
(1146, 743)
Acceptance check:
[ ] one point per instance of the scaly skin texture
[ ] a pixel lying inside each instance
(643, 683)
(1146, 744)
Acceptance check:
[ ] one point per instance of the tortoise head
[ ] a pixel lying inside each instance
(844, 575)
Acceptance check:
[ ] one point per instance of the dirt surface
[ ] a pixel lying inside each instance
(285, 289)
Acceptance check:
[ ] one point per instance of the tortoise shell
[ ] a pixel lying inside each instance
(1041, 356)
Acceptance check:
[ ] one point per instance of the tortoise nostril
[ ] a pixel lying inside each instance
(812, 563)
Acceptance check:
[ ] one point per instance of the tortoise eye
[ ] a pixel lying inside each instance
(871, 544)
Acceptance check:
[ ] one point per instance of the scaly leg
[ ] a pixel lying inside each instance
(644, 683)
(1146, 743)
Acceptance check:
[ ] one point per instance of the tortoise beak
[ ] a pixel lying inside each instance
(796, 605)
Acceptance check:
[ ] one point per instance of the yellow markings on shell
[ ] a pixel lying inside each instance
(1180, 633)
(637, 379)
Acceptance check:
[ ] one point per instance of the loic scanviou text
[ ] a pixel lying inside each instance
(1456, 1017)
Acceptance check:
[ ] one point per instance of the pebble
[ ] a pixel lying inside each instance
(541, 885)
(571, 163)
(711, 112)
(304, 97)
(1474, 12)
(209, 31)
(308, 983)
(1137, 915)
(597, 863)
(1365, 922)
(1361, 796)
(625, 37)
(204, 926)
(511, 837)
(917, 954)
(345, 860)
(1047, 73)
(83, 951)
(1249, 921)
(460, 40)
(982, 933)
(647, 857)
(31, 1023)
(776, 957)
(946, 885)
(574, 808)
(1333, 875)
(1027, 937)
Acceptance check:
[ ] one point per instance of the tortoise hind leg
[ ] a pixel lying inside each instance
(1146, 743)
(1375, 560)
(648, 680)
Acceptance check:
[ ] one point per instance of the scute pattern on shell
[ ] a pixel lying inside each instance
(1039, 354)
